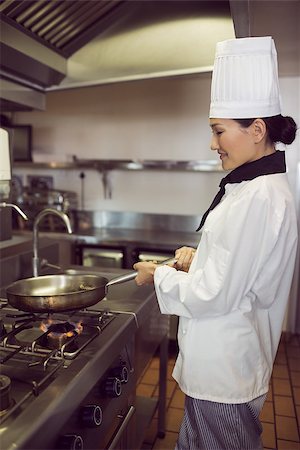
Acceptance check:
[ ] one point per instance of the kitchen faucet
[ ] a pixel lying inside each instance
(17, 208)
(38, 218)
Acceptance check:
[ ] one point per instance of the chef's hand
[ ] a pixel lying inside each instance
(145, 272)
(184, 257)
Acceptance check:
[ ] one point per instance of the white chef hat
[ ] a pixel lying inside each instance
(245, 79)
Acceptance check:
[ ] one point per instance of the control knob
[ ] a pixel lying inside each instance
(91, 415)
(112, 387)
(121, 372)
(70, 442)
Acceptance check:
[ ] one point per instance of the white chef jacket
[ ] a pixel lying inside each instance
(232, 301)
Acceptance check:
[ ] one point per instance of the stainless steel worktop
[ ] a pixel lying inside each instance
(145, 237)
(125, 228)
(20, 243)
(122, 236)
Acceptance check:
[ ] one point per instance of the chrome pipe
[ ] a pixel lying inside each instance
(37, 220)
(17, 208)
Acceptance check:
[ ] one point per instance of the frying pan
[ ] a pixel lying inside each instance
(57, 293)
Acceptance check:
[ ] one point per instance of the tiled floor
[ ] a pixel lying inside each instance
(280, 415)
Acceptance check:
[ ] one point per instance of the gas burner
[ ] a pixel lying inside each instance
(57, 333)
(6, 402)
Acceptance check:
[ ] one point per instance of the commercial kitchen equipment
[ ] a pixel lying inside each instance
(90, 255)
(34, 199)
(68, 380)
(38, 43)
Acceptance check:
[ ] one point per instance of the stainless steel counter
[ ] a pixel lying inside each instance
(120, 227)
(125, 236)
(152, 238)
(19, 243)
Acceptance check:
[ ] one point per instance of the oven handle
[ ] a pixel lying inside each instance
(116, 439)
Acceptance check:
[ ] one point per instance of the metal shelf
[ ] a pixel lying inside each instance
(104, 165)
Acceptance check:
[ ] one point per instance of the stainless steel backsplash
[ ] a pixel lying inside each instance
(136, 221)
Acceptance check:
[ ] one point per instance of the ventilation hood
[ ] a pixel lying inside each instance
(62, 44)
(153, 39)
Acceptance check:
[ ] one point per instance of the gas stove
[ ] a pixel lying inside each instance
(59, 336)
(67, 379)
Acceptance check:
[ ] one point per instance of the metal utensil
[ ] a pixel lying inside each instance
(54, 293)
(57, 293)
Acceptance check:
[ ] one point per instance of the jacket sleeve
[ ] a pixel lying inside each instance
(235, 259)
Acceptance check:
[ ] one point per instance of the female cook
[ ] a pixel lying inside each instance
(231, 293)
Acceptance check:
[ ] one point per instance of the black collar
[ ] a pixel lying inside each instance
(267, 165)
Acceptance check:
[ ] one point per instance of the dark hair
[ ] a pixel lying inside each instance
(280, 128)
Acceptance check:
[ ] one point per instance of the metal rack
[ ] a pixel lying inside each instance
(105, 165)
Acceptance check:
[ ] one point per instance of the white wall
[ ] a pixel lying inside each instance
(290, 92)
(153, 119)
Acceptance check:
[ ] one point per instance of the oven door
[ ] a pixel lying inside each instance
(106, 418)
(124, 437)
(93, 255)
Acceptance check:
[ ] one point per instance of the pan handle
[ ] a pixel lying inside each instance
(131, 276)
(122, 278)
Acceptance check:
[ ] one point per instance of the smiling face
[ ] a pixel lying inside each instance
(237, 145)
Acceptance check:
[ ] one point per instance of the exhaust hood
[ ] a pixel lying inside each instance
(61, 44)
(152, 39)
